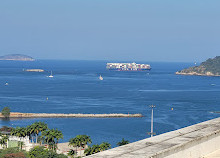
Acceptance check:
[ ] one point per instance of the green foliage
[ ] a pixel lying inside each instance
(36, 128)
(40, 152)
(105, 146)
(97, 148)
(209, 66)
(12, 153)
(123, 142)
(6, 129)
(80, 141)
(19, 132)
(72, 153)
(3, 141)
(51, 137)
(6, 112)
(92, 150)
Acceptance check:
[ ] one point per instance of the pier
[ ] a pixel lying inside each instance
(54, 115)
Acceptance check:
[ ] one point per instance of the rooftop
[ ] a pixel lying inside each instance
(192, 139)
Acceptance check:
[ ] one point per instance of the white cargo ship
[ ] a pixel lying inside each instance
(127, 67)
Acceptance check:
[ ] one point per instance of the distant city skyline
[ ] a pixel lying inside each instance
(116, 30)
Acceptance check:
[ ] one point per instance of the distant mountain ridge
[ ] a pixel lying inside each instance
(210, 67)
(19, 57)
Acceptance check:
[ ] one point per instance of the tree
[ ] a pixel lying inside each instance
(20, 143)
(58, 135)
(52, 137)
(123, 142)
(37, 152)
(73, 142)
(41, 139)
(38, 127)
(19, 132)
(88, 150)
(71, 153)
(105, 146)
(92, 150)
(47, 136)
(30, 132)
(6, 112)
(3, 141)
(97, 148)
(80, 141)
(40, 152)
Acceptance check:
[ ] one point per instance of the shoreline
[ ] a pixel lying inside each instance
(79, 115)
(195, 74)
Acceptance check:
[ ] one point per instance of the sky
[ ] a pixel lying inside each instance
(112, 30)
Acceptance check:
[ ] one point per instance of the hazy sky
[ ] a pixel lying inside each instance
(146, 30)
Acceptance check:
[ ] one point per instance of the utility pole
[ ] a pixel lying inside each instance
(152, 121)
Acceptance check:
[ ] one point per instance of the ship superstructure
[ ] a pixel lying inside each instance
(127, 67)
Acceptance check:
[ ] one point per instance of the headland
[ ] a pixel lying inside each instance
(210, 67)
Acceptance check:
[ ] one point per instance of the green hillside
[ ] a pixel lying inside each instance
(210, 67)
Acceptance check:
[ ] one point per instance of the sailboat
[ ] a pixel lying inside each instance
(51, 75)
(100, 78)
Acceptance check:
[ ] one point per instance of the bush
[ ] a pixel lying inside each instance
(6, 112)
(40, 152)
(15, 155)
(12, 153)
(6, 129)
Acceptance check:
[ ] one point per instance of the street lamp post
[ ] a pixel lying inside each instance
(152, 121)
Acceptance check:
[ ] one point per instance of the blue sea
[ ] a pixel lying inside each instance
(76, 88)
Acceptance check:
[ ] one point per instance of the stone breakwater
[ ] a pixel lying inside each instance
(54, 115)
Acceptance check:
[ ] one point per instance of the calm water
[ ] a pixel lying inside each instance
(76, 88)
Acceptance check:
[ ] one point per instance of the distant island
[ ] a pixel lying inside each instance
(18, 57)
(210, 67)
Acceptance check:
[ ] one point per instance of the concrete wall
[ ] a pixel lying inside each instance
(27, 145)
(191, 142)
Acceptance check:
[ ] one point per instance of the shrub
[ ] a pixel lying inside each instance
(6, 112)
(40, 152)
(12, 153)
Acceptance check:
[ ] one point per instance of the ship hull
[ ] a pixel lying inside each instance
(129, 70)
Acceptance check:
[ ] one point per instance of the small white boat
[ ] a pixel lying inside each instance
(6, 83)
(51, 75)
(100, 78)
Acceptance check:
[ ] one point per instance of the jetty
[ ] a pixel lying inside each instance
(58, 115)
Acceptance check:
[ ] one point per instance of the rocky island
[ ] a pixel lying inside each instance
(210, 67)
(18, 57)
